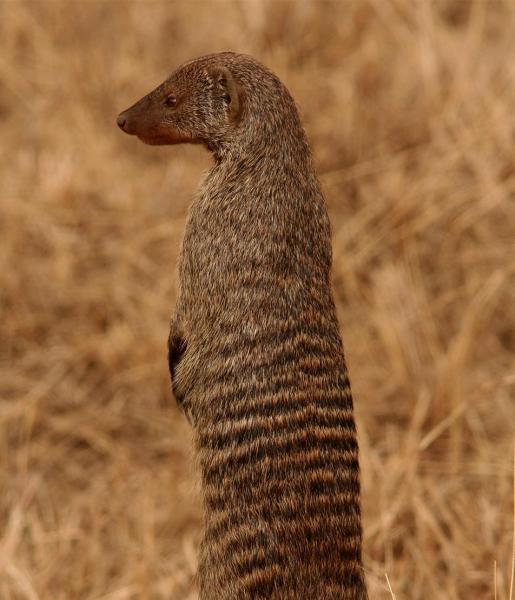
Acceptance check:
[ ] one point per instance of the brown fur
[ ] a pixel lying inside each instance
(255, 352)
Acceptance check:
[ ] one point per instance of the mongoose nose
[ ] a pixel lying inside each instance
(121, 120)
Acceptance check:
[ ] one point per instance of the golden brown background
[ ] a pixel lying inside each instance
(410, 108)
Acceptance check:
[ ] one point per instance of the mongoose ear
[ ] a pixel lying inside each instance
(225, 87)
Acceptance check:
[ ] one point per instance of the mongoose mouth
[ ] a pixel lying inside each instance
(155, 140)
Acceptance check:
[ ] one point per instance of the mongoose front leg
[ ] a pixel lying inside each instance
(176, 348)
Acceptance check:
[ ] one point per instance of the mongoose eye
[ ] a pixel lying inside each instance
(171, 101)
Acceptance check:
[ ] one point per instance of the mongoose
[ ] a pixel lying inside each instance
(255, 353)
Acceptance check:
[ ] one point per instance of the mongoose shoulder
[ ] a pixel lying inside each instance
(255, 352)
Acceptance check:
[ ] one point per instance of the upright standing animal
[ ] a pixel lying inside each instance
(255, 354)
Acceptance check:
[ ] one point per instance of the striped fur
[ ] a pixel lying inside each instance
(256, 356)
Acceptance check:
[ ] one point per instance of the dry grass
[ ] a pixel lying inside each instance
(410, 107)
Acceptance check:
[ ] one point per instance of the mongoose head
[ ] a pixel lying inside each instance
(198, 103)
(223, 101)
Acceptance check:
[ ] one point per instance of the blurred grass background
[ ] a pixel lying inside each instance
(410, 108)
